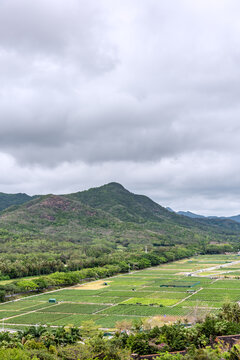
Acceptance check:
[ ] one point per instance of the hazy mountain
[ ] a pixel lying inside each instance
(190, 214)
(197, 216)
(170, 209)
(7, 200)
(235, 218)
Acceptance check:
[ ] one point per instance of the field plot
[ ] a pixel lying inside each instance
(171, 291)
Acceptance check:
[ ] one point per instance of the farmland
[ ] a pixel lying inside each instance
(167, 292)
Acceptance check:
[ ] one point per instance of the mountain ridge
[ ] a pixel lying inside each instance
(108, 217)
(192, 215)
(7, 200)
(124, 205)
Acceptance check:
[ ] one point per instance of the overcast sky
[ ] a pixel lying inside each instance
(142, 92)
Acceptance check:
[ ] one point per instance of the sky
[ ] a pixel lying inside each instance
(142, 92)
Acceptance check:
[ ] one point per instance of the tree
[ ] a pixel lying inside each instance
(2, 295)
(26, 285)
(123, 325)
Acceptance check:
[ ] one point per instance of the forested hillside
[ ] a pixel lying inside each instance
(96, 227)
(126, 206)
(7, 200)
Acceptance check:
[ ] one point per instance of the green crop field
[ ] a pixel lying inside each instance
(176, 290)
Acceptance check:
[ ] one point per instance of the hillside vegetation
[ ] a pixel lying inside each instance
(7, 200)
(102, 226)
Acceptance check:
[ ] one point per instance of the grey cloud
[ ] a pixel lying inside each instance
(59, 31)
(142, 92)
(182, 183)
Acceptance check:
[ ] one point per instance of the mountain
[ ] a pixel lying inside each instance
(235, 218)
(126, 206)
(190, 214)
(197, 216)
(54, 215)
(7, 200)
(121, 203)
(110, 215)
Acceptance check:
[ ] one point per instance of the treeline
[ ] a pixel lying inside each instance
(68, 278)
(67, 271)
(15, 266)
(218, 248)
(87, 343)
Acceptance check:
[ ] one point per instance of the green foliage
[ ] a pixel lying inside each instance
(167, 356)
(230, 312)
(99, 227)
(14, 354)
(24, 285)
(7, 200)
(63, 342)
(139, 344)
(76, 308)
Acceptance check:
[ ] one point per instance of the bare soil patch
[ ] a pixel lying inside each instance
(94, 285)
(161, 320)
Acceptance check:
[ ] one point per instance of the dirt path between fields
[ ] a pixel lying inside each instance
(186, 298)
(214, 268)
(26, 313)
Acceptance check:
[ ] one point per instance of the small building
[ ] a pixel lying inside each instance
(52, 301)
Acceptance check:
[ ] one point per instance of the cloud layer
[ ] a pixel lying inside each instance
(145, 93)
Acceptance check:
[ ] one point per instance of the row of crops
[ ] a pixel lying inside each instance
(146, 293)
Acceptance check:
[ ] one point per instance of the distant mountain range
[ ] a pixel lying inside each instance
(7, 200)
(197, 216)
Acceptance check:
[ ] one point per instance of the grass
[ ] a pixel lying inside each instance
(217, 295)
(156, 301)
(71, 295)
(144, 310)
(202, 303)
(127, 294)
(225, 284)
(6, 314)
(37, 318)
(165, 290)
(23, 305)
(75, 308)
(76, 320)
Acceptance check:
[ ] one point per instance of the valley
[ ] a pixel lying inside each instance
(161, 294)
